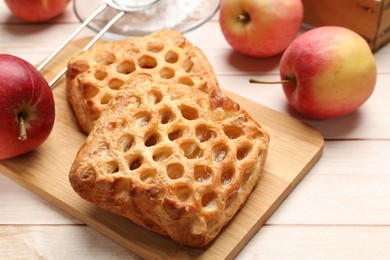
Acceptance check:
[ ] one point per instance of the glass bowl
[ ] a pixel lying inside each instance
(147, 16)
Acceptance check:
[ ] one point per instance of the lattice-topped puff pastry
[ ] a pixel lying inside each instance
(172, 159)
(94, 76)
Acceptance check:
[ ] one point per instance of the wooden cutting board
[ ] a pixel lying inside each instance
(294, 148)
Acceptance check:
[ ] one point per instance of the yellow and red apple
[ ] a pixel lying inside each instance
(260, 28)
(36, 10)
(329, 72)
(27, 108)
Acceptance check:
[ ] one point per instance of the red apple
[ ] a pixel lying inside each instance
(260, 28)
(26, 107)
(36, 10)
(329, 71)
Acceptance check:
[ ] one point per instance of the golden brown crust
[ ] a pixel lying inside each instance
(94, 76)
(172, 159)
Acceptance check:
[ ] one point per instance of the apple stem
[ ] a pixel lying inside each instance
(269, 82)
(22, 129)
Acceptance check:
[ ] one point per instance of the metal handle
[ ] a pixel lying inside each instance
(74, 34)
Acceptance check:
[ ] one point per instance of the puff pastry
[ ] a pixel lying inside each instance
(172, 158)
(94, 76)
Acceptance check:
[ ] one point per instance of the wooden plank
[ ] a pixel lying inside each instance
(272, 242)
(58, 242)
(224, 59)
(338, 183)
(295, 147)
(367, 122)
(320, 242)
(341, 189)
(297, 242)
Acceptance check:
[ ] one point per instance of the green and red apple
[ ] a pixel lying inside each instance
(27, 108)
(327, 72)
(260, 28)
(331, 71)
(36, 10)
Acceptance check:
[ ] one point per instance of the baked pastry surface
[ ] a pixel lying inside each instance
(94, 76)
(171, 158)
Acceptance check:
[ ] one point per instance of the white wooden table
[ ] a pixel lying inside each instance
(341, 209)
